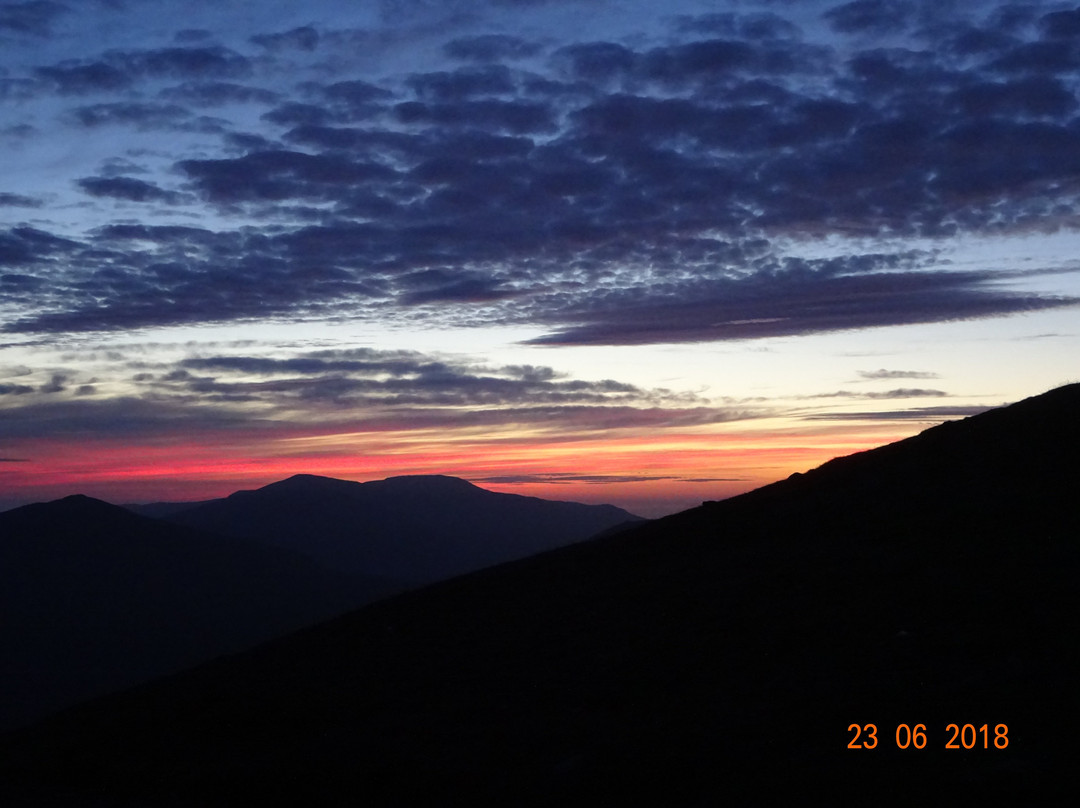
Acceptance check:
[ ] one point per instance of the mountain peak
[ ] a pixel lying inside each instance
(81, 501)
(311, 481)
(406, 483)
(73, 506)
(301, 484)
(443, 481)
(414, 528)
(315, 479)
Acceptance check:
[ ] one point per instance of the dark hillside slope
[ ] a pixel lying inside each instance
(1019, 460)
(717, 656)
(93, 599)
(414, 529)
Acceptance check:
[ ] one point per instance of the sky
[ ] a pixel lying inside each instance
(598, 250)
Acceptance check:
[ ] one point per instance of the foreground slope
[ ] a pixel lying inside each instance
(712, 656)
(413, 529)
(94, 598)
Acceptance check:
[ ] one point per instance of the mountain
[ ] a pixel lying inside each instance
(162, 510)
(414, 529)
(735, 653)
(94, 599)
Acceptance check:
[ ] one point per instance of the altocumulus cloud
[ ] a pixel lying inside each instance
(643, 178)
(357, 389)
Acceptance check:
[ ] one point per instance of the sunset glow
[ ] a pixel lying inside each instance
(621, 251)
(654, 473)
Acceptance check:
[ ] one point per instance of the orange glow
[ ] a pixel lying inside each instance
(649, 474)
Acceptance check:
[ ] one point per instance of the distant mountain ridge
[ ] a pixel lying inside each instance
(95, 597)
(414, 529)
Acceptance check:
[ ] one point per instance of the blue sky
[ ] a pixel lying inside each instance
(697, 245)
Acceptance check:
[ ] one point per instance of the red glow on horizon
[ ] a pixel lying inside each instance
(647, 474)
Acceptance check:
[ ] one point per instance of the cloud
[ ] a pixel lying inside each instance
(794, 305)
(434, 286)
(931, 414)
(84, 78)
(218, 93)
(28, 245)
(516, 117)
(126, 418)
(1036, 96)
(119, 70)
(490, 48)
(277, 175)
(304, 38)
(882, 374)
(137, 114)
(15, 389)
(22, 131)
(761, 25)
(1048, 57)
(649, 185)
(57, 384)
(870, 16)
(351, 390)
(126, 188)
(35, 17)
(352, 98)
(903, 392)
(462, 84)
(167, 274)
(370, 378)
(183, 63)
(18, 201)
(1060, 24)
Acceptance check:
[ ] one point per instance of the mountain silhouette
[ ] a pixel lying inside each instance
(721, 655)
(412, 529)
(94, 598)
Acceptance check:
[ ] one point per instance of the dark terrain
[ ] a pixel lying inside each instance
(94, 598)
(716, 656)
(415, 529)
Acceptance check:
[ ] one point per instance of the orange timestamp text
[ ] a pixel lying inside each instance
(960, 736)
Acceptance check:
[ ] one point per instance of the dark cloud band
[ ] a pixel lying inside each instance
(611, 190)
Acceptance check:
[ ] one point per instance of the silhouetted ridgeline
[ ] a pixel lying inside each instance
(95, 599)
(414, 529)
(716, 656)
